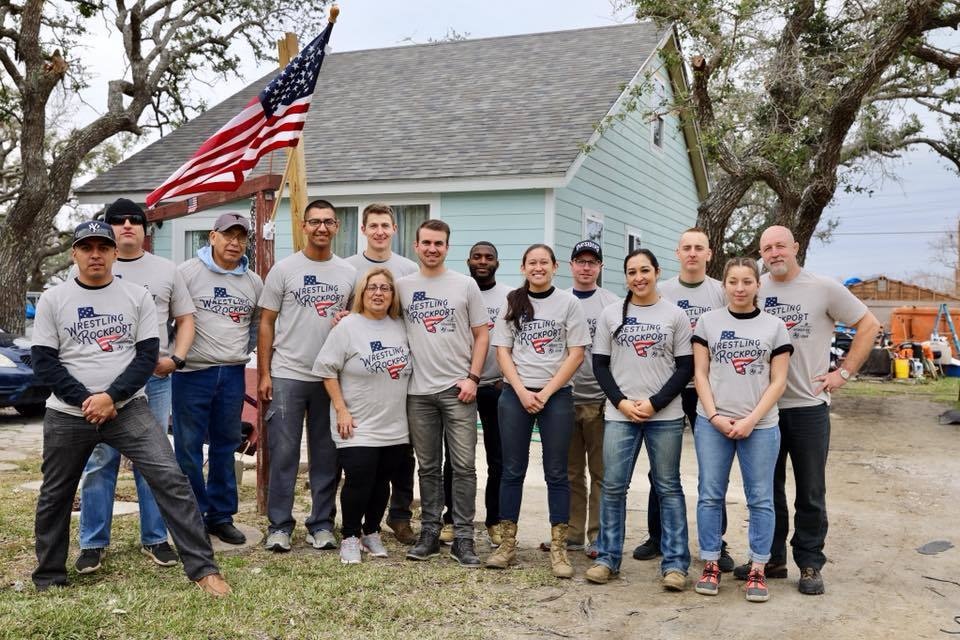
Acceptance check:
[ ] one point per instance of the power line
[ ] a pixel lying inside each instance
(887, 233)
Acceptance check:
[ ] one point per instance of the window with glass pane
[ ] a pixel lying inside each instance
(345, 242)
(409, 218)
(193, 240)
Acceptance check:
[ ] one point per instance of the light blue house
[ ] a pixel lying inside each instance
(489, 135)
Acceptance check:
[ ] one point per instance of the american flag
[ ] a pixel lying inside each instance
(309, 280)
(420, 296)
(106, 342)
(641, 346)
(376, 346)
(540, 343)
(740, 365)
(728, 335)
(770, 302)
(683, 304)
(630, 320)
(219, 292)
(271, 120)
(87, 312)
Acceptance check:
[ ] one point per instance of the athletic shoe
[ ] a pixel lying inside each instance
(447, 534)
(161, 553)
(89, 560)
(674, 580)
(278, 542)
(647, 550)
(709, 583)
(756, 587)
(373, 545)
(773, 570)
(811, 581)
(350, 550)
(322, 540)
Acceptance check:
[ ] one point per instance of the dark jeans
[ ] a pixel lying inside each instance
(488, 398)
(294, 400)
(516, 428)
(805, 437)
(688, 399)
(366, 485)
(401, 485)
(206, 407)
(67, 443)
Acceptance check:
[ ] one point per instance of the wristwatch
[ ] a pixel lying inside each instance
(178, 362)
(844, 373)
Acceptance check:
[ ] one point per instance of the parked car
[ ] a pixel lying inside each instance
(18, 386)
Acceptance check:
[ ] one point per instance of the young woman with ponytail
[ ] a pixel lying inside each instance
(741, 356)
(642, 359)
(540, 338)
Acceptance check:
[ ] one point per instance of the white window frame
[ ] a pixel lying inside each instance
(588, 216)
(656, 119)
(629, 234)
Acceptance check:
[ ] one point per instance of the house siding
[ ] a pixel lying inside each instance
(511, 220)
(631, 183)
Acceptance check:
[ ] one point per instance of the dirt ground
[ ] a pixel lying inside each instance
(893, 485)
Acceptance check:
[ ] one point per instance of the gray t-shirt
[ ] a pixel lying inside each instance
(540, 345)
(225, 307)
(397, 264)
(695, 301)
(372, 361)
(440, 312)
(96, 332)
(740, 353)
(306, 294)
(809, 306)
(643, 355)
(495, 299)
(161, 278)
(585, 385)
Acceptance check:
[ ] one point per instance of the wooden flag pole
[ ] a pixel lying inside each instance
(295, 171)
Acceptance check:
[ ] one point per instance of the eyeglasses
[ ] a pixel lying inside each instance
(329, 223)
(120, 219)
(586, 263)
(383, 288)
(239, 238)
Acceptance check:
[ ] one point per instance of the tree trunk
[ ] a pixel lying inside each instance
(714, 214)
(13, 294)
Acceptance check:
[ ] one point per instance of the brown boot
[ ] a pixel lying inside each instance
(213, 584)
(506, 553)
(558, 551)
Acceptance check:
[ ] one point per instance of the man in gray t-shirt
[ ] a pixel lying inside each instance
(446, 322)
(164, 283)
(301, 297)
(379, 226)
(586, 441)
(95, 344)
(208, 391)
(809, 306)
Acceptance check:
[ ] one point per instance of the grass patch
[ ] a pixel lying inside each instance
(942, 390)
(301, 594)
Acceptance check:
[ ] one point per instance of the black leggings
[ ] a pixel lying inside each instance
(366, 485)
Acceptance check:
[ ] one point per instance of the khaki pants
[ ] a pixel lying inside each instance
(586, 452)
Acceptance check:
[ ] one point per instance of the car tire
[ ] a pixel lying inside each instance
(31, 410)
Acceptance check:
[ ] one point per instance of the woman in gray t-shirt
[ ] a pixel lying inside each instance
(366, 365)
(642, 360)
(540, 338)
(741, 357)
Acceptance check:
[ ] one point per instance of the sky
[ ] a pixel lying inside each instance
(888, 232)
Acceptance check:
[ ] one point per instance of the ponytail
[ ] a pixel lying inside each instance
(623, 317)
(519, 307)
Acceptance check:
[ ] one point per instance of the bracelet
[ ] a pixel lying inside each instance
(474, 377)
(710, 419)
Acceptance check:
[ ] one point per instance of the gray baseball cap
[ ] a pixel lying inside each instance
(231, 219)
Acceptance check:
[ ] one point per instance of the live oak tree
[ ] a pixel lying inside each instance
(792, 98)
(168, 46)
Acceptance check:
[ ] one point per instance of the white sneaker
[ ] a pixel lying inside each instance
(277, 541)
(373, 545)
(350, 550)
(322, 539)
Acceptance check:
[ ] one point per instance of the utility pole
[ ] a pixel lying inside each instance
(956, 265)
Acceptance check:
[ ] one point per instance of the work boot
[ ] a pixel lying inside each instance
(506, 553)
(558, 551)
(402, 531)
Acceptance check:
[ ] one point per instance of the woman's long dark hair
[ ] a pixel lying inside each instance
(626, 300)
(519, 307)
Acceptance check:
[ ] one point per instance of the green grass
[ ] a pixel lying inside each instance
(301, 594)
(942, 390)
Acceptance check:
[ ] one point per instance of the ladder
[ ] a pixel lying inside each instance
(944, 312)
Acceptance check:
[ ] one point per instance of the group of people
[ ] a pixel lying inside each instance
(389, 363)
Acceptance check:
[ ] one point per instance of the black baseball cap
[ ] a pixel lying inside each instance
(587, 246)
(123, 208)
(93, 229)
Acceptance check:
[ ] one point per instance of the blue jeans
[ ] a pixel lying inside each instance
(621, 446)
(206, 406)
(99, 483)
(758, 457)
(516, 428)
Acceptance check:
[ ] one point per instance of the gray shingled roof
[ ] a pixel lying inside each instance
(495, 107)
